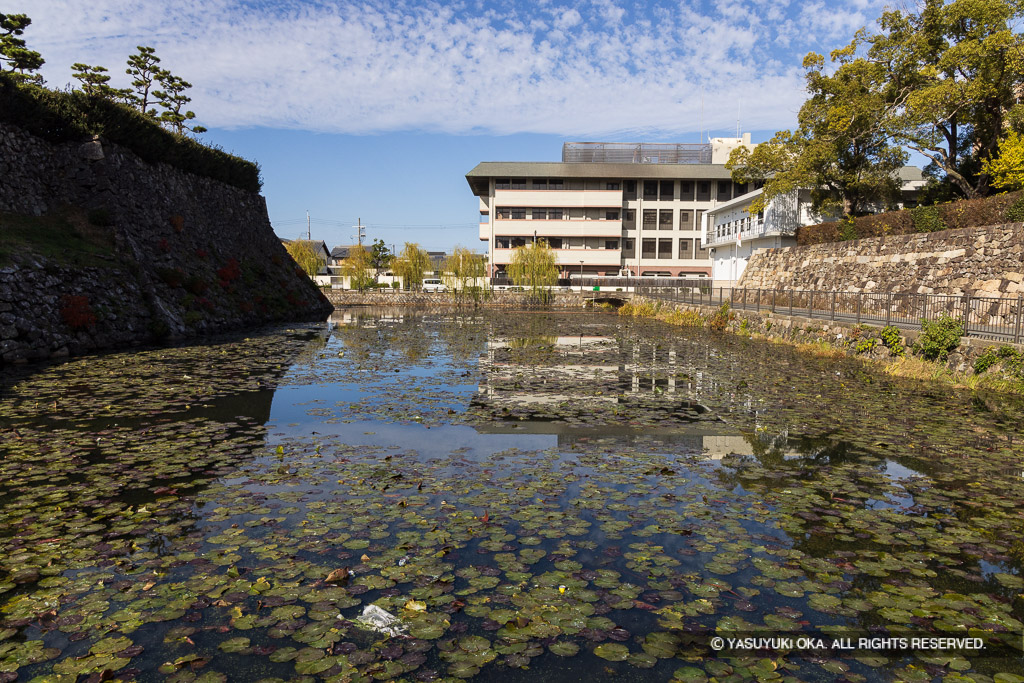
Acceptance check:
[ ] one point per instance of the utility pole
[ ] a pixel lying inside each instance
(360, 231)
(308, 238)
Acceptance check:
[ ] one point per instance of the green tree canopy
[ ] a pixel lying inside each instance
(949, 77)
(534, 266)
(95, 82)
(1007, 169)
(146, 74)
(380, 256)
(839, 150)
(173, 99)
(14, 53)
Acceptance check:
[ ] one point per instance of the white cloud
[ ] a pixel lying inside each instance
(361, 68)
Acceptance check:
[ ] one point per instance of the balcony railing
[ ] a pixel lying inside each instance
(757, 229)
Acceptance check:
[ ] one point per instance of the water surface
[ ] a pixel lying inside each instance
(534, 496)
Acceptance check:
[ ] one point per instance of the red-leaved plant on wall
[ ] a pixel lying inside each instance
(77, 312)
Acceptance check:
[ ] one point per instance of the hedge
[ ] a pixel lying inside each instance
(60, 116)
(966, 213)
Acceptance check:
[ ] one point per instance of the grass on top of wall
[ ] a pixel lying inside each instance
(65, 237)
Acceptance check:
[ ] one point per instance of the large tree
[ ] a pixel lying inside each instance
(306, 255)
(21, 62)
(173, 99)
(146, 73)
(356, 267)
(534, 266)
(464, 267)
(411, 264)
(839, 151)
(380, 256)
(95, 82)
(949, 76)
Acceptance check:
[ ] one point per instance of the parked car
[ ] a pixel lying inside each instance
(434, 285)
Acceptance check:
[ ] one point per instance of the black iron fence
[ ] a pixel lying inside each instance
(982, 316)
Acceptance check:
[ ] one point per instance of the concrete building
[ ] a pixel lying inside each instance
(732, 233)
(608, 208)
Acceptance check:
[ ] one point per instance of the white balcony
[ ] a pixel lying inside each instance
(571, 257)
(576, 227)
(559, 198)
(485, 231)
(757, 229)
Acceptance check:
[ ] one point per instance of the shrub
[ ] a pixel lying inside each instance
(939, 337)
(77, 312)
(60, 116)
(927, 219)
(893, 340)
(847, 231)
(1015, 214)
(866, 345)
(720, 318)
(1009, 356)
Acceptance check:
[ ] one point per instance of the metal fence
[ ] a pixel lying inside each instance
(983, 317)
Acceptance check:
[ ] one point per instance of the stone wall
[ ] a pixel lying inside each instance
(178, 255)
(496, 299)
(985, 262)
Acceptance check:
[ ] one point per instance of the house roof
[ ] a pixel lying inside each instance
(341, 251)
(478, 177)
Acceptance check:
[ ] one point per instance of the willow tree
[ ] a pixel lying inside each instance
(464, 267)
(411, 264)
(534, 266)
(357, 266)
(306, 255)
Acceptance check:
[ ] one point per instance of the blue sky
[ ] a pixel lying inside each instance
(377, 110)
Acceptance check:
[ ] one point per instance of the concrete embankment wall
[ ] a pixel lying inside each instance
(984, 262)
(173, 254)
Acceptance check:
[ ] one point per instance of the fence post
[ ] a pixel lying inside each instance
(810, 304)
(791, 302)
(773, 299)
(860, 305)
(967, 314)
(833, 306)
(758, 299)
(744, 298)
(1016, 329)
(888, 309)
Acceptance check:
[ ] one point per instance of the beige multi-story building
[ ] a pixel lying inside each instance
(608, 209)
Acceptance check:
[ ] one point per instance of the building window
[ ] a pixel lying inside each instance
(647, 248)
(685, 220)
(724, 190)
(698, 217)
(650, 218)
(703, 191)
(699, 252)
(650, 189)
(686, 190)
(664, 248)
(556, 184)
(502, 184)
(611, 244)
(501, 242)
(554, 214)
(611, 186)
(665, 219)
(611, 215)
(518, 184)
(627, 249)
(630, 190)
(517, 214)
(740, 189)
(554, 242)
(668, 190)
(684, 248)
(540, 183)
(503, 212)
(539, 214)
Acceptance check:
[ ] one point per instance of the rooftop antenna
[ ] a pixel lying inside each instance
(308, 238)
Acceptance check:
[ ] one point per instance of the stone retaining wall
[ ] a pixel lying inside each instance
(985, 262)
(187, 255)
(495, 299)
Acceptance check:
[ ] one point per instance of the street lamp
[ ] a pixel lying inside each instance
(581, 277)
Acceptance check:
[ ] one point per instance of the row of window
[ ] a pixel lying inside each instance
(650, 248)
(742, 224)
(659, 190)
(516, 213)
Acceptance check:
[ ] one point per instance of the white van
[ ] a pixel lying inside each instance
(434, 285)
